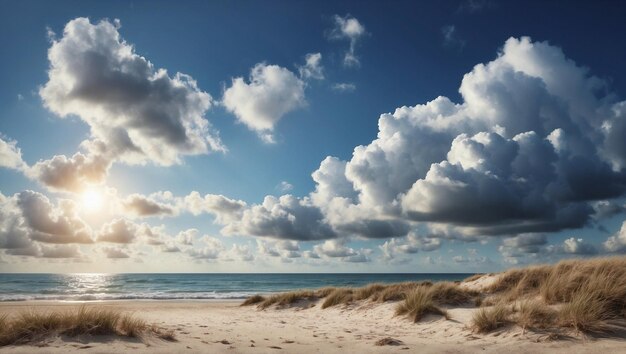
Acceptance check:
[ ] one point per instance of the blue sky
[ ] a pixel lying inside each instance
(270, 129)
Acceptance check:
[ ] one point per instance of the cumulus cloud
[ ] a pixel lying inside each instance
(271, 93)
(141, 205)
(29, 217)
(337, 248)
(285, 249)
(11, 155)
(136, 112)
(211, 250)
(226, 210)
(410, 244)
(525, 152)
(74, 173)
(118, 231)
(312, 69)
(348, 28)
(617, 242)
(578, 246)
(286, 217)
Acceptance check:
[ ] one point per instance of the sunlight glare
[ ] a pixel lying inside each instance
(92, 200)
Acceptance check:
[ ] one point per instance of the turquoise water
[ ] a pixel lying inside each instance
(91, 287)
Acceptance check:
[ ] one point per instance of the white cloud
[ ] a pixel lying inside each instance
(337, 248)
(617, 242)
(524, 152)
(30, 216)
(312, 69)
(225, 209)
(578, 246)
(11, 155)
(286, 217)
(272, 92)
(410, 244)
(284, 186)
(141, 205)
(118, 231)
(349, 28)
(343, 87)
(136, 113)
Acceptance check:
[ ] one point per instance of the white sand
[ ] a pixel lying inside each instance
(353, 329)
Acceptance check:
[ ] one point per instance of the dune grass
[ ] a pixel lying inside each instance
(418, 303)
(486, 320)
(534, 314)
(31, 326)
(587, 296)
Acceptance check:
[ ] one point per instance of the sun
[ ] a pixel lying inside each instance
(92, 200)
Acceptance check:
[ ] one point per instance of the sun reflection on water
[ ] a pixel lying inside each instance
(88, 286)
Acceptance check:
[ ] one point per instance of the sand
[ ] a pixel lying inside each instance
(225, 327)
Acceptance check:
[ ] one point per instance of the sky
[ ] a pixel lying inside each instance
(301, 136)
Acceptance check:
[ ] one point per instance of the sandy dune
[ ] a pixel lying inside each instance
(224, 327)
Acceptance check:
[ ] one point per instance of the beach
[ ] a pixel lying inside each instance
(226, 327)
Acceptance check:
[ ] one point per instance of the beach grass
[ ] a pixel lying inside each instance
(489, 319)
(418, 303)
(31, 326)
(585, 295)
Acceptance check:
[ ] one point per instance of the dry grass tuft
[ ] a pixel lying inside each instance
(289, 298)
(418, 303)
(31, 326)
(535, 314)
(447, 293)
(489, 319)
(339, 296)
(252, 300)
(368, 291)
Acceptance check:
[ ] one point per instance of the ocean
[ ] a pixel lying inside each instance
(177, 286)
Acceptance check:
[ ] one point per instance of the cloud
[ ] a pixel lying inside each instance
(140, 205)
(605, 209)
(271, 93)
(451, 38)
(410, 244)
(61, 251)
(524, 152)
(285, 249)
(187, 237)
(337, 249)
(136, 113)
(226, 210)
(118, 231)
(578, 246)
(29, 216)
(11, 155)
(617, 242)
(115, 253)
(284, 186)
(286, 218)
(212, 249)
(312, 69)
(74, 173)
(343, 87)
(349, 28)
